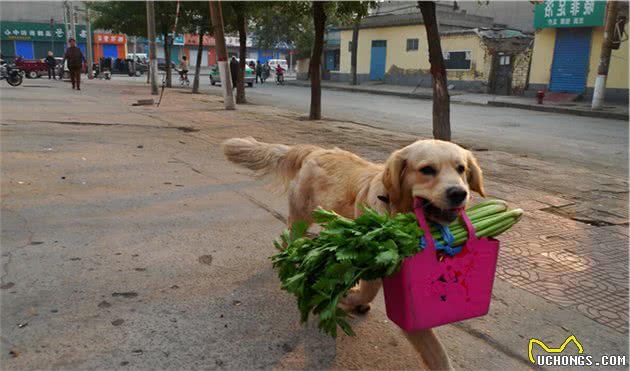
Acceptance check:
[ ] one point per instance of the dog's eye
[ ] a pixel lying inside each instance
(461, 169)
(428, 170)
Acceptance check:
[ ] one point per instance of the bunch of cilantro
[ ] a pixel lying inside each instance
(320, 270)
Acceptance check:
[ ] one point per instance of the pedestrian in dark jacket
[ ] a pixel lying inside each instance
(259, 72)
(234, 71)
(75, 58)
(51, 63)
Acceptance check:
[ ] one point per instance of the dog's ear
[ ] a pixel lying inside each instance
(392, 178)
(475, 175)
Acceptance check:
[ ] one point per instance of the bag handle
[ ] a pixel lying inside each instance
(422, 221)
(472, 234)
(428, 237)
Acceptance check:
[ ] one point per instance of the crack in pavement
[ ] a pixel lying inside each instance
(276, 214)
(186, 129)
(9, 254)
(495, 344)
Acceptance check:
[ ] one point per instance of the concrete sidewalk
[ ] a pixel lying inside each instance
(129, 241)
(611, 111)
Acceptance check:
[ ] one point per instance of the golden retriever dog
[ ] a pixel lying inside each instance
(443, 174)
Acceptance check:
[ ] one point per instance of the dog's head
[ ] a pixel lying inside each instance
(442, 173)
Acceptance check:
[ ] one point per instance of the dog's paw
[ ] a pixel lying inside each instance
(353, 302)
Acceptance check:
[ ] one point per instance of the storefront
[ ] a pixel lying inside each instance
(109, 46)
(176, 48)
(567, 47)
(34, 40)
(208, 56)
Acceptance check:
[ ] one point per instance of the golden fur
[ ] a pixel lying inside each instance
(342, 181)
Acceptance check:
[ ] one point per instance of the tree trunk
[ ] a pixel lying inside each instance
(599, 91)
(152, 72)
(319, 20)
(242, 40)
(167, 57)
(441, 99)
(226, 82)
(195, 88)
(355, 48)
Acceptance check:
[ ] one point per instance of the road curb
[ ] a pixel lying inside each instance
(363, 90)
(531, 107)
(565, 110)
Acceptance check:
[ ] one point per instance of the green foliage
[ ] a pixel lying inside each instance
(120, 17)
(291, 22)
(319, 271)
(130, 17)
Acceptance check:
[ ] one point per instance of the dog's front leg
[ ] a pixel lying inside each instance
(359, 298)
(430, 349)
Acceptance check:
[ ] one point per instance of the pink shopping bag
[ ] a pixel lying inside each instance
(429, 292)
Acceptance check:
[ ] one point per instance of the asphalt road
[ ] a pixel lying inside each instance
(599, 144)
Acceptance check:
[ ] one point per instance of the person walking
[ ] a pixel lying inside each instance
(183, 69)
(266, 71)
(51, 63)
(234, 71)
(75, 59)
(259, 72)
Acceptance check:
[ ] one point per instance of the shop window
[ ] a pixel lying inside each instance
(412, 45)
(458, 60)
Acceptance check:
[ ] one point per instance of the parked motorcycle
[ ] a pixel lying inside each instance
(12, 74)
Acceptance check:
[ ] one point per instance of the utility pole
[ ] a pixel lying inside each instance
(153, 65)
(90, 57)
(222, 56)
(65, 23)
(73, 24)
(52, 35)
(599, 91)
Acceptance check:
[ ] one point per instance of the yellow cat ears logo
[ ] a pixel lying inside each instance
(553, 350)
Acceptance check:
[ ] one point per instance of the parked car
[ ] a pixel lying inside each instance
(140, 57)
(33, 68)
(216, 78)
(125, 67)
(162, 64)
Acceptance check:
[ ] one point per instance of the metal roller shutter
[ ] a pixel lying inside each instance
(570, 60)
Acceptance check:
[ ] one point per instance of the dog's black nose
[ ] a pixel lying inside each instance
(456, 195)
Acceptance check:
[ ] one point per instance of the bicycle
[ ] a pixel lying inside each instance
(279, 79)
(183, 79)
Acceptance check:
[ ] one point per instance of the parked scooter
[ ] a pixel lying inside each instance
(104, 69)
(12, 74)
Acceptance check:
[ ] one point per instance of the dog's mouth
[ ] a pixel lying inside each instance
(438, 215)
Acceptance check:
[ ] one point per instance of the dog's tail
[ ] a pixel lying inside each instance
(265, 158)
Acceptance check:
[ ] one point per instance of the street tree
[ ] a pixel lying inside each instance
(441, 98)
(235, 17)
(129, 17)
(340, 12)
(358, 12)
(198, 15)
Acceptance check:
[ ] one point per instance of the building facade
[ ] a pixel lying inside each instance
(31, 40)
(567, 47)
(478, 59)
